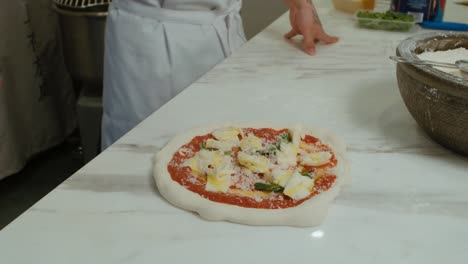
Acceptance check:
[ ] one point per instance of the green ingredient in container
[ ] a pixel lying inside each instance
(387, 21)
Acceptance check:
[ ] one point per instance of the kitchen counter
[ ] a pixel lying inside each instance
(408, 202)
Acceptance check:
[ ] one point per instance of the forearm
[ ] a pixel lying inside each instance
(302, 5)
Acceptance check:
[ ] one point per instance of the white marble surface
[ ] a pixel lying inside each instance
(408, 202)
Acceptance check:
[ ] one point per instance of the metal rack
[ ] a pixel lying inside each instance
(81, 4)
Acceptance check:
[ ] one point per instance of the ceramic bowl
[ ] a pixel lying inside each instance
(438, 101)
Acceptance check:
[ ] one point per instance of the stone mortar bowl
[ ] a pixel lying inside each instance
(438, 101)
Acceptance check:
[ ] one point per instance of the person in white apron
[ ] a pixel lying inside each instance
(156, 48)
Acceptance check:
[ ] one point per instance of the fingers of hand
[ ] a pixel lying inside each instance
(309, 41)
(291, 34)
(325, 38)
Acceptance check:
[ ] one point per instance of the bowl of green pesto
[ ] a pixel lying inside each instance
(389, 20)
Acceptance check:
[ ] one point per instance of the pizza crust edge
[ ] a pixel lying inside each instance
(310, 213)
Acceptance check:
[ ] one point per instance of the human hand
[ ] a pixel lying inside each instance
(305, 21)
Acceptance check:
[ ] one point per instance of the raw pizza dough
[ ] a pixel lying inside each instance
(311, 212)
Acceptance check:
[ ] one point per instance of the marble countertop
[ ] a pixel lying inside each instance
(408, 202)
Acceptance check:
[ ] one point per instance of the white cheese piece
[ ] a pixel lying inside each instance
(218, 183)
(308, 147)
(203, 160)
(287, 156)
(251, 143)
(280, 176)
(221, 145)
(226, 133)
(219, 177)
(315, 158)
(297, 134)
(298, 186)
(255, 163)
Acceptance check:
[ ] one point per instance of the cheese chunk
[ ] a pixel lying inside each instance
(203, 160)
(297, 134)
(315, 158)
(308, 147)
(287, 157)
(222, 145)
(298, 186)
(219, 177)
(255, 163)
(218, 183)
(251, 143)
(226, 133)
(281, 176)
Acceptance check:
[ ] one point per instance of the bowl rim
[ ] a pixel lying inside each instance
(406, 49)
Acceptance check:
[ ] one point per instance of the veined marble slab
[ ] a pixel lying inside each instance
(408, 202)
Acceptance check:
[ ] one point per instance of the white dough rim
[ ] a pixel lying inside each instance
(310, 213)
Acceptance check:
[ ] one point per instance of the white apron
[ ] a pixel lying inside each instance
(155, 49)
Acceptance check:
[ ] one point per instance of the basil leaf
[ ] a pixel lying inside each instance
(309, 174)
(227, 152)
(260, 186)
(202, 145)
(269, 150)
(286, 137)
